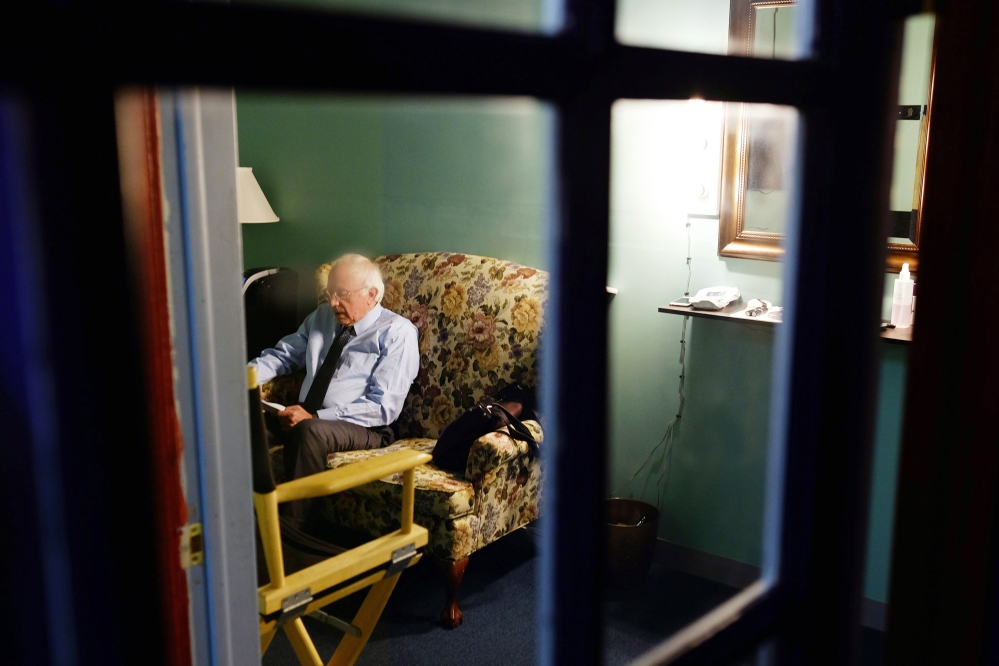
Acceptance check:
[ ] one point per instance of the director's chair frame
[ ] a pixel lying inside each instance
(378, 563)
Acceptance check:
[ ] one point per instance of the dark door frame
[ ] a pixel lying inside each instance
(944, 583)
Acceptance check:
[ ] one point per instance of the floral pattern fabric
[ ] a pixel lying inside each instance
(283, 390)
(507, 484)
(497, 498)
(448, 539)
(480, 322)
(437, 491)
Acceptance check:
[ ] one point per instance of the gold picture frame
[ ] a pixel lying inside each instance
(734, 240)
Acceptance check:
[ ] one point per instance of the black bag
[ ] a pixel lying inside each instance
(455, 442)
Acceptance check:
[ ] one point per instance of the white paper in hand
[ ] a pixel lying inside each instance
(272, 406)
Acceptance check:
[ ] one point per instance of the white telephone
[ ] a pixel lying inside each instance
(715, 298)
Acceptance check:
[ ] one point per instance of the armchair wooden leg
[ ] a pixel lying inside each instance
(453, 571)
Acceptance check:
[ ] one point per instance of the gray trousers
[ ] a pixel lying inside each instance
(311, 443)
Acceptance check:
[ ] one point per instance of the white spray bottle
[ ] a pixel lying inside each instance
(901, 302)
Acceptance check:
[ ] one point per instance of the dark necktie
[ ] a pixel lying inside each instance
(321, 382)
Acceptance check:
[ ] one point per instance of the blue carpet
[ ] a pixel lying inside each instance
(637, 619)
(497, 597)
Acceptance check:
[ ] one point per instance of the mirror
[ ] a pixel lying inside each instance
(911, 135)
(759, 140)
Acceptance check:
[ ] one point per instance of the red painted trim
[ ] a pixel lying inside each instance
(142, 199)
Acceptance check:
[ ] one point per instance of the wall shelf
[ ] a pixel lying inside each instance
(897, 336)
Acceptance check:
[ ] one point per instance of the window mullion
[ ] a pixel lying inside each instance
(574, 384)
(284, 49)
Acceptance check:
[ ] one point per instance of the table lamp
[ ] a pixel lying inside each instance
(250, 200)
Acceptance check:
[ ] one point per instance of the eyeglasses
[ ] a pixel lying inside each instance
(343, 294)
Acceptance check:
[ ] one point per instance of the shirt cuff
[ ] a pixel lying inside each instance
(264, 374)
(328, 414)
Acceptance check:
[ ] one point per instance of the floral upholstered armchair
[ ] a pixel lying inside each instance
(479, 321)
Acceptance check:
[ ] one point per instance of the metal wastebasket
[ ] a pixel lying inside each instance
(632, 526)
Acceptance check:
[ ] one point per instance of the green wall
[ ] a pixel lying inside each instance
(715, 494)
(381, 175)
(714, 499)
(913, 89)
(319, 162)
(390, 175)
(887, 446)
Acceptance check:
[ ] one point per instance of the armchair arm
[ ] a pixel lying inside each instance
(507, 483)
(355, 474)
(495, 449)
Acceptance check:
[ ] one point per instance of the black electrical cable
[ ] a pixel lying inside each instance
(773, 48)
(665, 445)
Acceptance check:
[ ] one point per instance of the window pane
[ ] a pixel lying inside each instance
(750, 28)
(452, 198)
(520, 15)
(911, 128)
(689, 395)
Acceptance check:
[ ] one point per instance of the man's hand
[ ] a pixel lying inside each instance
(292, 416)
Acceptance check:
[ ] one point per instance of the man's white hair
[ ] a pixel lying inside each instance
(364, 270)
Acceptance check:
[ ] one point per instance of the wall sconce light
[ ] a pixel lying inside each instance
(251, 203)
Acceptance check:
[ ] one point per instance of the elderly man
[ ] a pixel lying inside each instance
(360, 360)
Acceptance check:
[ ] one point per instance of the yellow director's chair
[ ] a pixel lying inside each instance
(306, 574)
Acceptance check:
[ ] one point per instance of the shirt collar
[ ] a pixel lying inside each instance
(368, 320)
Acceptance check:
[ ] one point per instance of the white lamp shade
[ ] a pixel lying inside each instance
(250, 200)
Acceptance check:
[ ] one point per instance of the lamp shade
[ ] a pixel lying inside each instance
(250, 200)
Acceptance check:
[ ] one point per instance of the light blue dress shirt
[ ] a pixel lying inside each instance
(375, 371)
